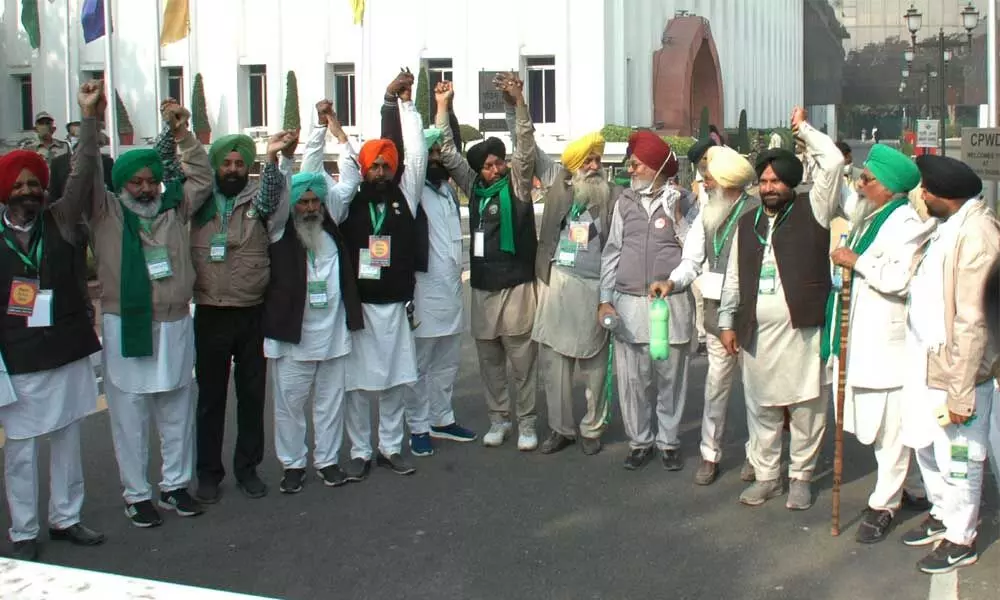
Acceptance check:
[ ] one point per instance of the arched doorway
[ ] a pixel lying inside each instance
(686, 77)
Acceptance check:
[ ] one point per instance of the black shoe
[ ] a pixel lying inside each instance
(143, 514)
(874, 526)
(915, 503)
(556, 442)
(291, 483)
(78, 534)
(358, 469)
(929, 531)
(637, 457)
(181, 502)
(332, 476)
(207, 492)
(25, 550)
(590, 446)
(947, 557)
(706, 473)
(395, 463)
(252, 486)
(672, 460)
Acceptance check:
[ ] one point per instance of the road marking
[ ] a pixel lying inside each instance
(944, 587)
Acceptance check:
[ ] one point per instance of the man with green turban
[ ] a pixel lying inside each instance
(229, 246)
(142, 244)
(886, 232)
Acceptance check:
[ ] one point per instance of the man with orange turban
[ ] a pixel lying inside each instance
(650, 220)
(46, 380)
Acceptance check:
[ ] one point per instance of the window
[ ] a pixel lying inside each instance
(24, 93)
(438, 70)
(343, 94)
(541, 86)
(175, 84)
(258, 96)
(92, 75)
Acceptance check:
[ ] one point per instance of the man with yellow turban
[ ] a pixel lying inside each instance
(727, 175)
(229, 247)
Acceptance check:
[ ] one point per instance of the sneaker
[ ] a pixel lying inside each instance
(929, 531)
(527, 440)
(332, 476)
(760, 492)
(143, 514)
(637, 457)
(454, 433)
(590, 446)
(358, 469)
(291, 483)
(181, 502)
(497, 434)
(251, 485)
(420, 444)
(947, 557)
(706, 473)
(874, 526)
(556, 442)
(395, 463)
(207, 492)
(671, 459)
(799, 495)
(747, 472)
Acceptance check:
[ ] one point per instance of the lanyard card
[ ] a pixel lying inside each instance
(711, 285)
(366, 270)
(579, 232)
(42, 315)
(566, 255)
(23, 294)
(317, 294)
(959, 468)
(379, 250)
(768, 273)
(217, 248)
(158, 262)
(479, 244)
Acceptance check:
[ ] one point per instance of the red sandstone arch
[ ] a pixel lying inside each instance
(686, 77)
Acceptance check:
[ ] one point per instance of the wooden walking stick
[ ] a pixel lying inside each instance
(838, 440)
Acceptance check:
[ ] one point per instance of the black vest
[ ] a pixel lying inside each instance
(397, 281)
(71, 336)
(285, 297)
(801, 251)
(498, 270)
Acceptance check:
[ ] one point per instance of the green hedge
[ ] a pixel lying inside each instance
(620, 133)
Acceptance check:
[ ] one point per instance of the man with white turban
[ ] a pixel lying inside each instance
(726, 177)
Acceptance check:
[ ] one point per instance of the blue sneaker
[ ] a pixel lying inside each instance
(420, 444)
(453, 432)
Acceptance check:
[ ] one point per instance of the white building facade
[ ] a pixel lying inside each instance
(586, 63)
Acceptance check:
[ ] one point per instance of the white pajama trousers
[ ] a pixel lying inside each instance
(718, 386)
(173, 413)
(766, 426)
(65, 482)
(391, 404)
(428, 400)
(294, 381)
(649, 389)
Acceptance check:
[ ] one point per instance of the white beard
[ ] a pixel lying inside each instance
(862, 210)
(592, 190)
(715, 210)
(146, 210)
(310, 233)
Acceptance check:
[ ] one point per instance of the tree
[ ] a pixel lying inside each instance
(124, 123)
(469, 134)
(199, 112)
(422, 99)
(292, 121)
(742, 136)
(703, 126)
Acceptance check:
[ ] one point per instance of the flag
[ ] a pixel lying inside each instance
(358, 6)
(176, 22)
(29, 18)
(92, 19)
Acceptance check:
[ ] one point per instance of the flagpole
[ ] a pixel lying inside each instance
(109, 79)
(157, 84)
(69, 91)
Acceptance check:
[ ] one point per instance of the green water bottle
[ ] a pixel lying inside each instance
(659, 329)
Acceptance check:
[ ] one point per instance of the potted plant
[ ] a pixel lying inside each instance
(292, 121)
(126, 134)
(199, 112)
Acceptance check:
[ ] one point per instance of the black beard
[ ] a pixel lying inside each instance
(436, 173)
(379, 186)
(231, 185)
(26, 207)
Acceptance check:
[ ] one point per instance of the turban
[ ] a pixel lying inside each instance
(893, 169)
(11, 165)
(477, 154)
(232, 143)
(133, 161)
(303, 182)
(652, 151)
(432, 135)
(698, 150)
(728, 167)
(576, 152)
(375, 148)
(948, 178)
(785, 164)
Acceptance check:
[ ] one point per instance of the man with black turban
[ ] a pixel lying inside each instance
(773, 309)
(503, 252)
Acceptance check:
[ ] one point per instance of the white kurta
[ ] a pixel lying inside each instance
(164, 371)
(565, 319)
(34, 404)
(383, 353)
(438, 295)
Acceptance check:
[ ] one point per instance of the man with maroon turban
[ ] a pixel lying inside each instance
(644, 245)
(46, 381)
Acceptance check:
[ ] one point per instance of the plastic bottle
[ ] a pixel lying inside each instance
(837, 276)
(659, 329)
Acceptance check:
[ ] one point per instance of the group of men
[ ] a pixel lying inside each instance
(353, 289)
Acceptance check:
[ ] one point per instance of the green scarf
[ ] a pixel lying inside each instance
(209, 209)
(135, 289)
(484, 194)
(830, 339)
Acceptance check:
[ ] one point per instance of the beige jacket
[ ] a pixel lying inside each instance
(968, 357)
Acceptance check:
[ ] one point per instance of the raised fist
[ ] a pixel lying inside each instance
(176, 116)
(292, 143)
(279, 141)
(798, 116)
(91, 98)
(324, 109)
(444, 91)
(511, 86)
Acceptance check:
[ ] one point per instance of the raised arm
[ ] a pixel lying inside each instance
(415, 159)
(392, 128)
(546, 169)
(339, 193)
(84, 193)
(272, 199)
(194, 169)
(456, 165)
(522, 164)
(825, 196)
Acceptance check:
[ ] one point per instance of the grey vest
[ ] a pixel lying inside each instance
(717, 262)
(651, 249)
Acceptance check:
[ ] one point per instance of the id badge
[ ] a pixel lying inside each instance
(768, 272)
(317, 294)
(711, 285)
(23, 294)
(379, 250)
(42, 315)
(157, 262)
(366, 270)
(579, 232)
(479, 244)
(959, 467)
(566, 255)
(217, 248)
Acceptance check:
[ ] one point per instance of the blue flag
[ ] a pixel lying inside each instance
(92, 20)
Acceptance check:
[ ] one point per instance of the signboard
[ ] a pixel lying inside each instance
(927, 133)
(981, 151)
(490, 98)
(488, 125)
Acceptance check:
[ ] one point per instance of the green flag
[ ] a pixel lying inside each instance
(29, 18)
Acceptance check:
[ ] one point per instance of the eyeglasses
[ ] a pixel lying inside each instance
(866, 178)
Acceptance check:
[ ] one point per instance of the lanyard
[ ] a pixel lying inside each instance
(226, 207)
(576, 210)
(718, 242)
(32, 260)
(377, 221)
(312, 259)
(778, 221)
(482, 206)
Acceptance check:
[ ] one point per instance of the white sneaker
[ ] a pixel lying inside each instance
(497, 434)
(526, 439)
